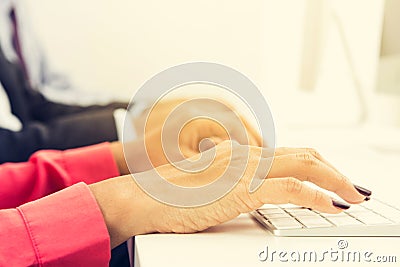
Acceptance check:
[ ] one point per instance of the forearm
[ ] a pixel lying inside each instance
(125, 207)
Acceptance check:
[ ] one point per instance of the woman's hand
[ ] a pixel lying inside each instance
(283, 184)
(167, 140)
(153, 120)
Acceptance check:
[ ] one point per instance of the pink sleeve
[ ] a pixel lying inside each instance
(62, 229)
(49, 171)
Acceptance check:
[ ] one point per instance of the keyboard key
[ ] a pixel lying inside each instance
(385, 210)
(285, 223)
(395, 217)
(392, 216)
(377, 206)
(372, 204)
(277, 215)
(355, 213)
(301, 212)
(372, 218)
(314, 221)
(356, 208)
(329, 215)
(268, 206)
(344, 220)
(290, 206)
(271, 211)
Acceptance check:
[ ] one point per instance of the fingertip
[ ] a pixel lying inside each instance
(334, 207)
(340, 205)
(352, 195)
(357, 199)
(363, 191)
(356, 202)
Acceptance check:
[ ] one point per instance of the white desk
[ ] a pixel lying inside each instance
(238, 242)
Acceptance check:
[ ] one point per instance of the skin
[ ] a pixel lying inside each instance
(121, 200)
(149, 150)
(162, 110)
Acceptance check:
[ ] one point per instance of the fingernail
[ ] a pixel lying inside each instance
(362, 190)
(367, 198)
(340, 205)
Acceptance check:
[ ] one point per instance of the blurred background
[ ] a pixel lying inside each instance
(328, 68)
(339, 58)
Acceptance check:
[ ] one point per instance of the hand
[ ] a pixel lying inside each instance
(126, 201)
(282, 185)
(184, 136)
(152, 150)
(163, 109)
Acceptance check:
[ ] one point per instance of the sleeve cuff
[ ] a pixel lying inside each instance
(67, 228)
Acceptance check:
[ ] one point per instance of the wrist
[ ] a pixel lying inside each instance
(107, 194)
(126, 209)
(118, 154)
(135, 153)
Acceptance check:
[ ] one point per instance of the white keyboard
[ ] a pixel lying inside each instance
(371, 218)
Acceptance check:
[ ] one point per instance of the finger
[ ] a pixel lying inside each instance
(315, 153)
(260, 174)
(268, 152)
(210, 142)
(306, 167)
(289, 150)
(205, 145)
(291, 190)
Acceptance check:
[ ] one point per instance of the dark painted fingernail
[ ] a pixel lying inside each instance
(340, 205)
(367, 198)
(362, 190)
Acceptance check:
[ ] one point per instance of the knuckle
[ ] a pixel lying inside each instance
(341, 183)
(313, 152)
(293, 186)
(318, 197)
(306, 159)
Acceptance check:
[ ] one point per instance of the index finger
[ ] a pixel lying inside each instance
(306, 167)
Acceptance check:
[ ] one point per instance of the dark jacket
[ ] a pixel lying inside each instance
(49, 125)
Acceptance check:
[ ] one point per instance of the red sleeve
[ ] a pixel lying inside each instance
(62, 229)
(49, 171)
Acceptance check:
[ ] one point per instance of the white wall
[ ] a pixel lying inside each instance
(117, 45)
